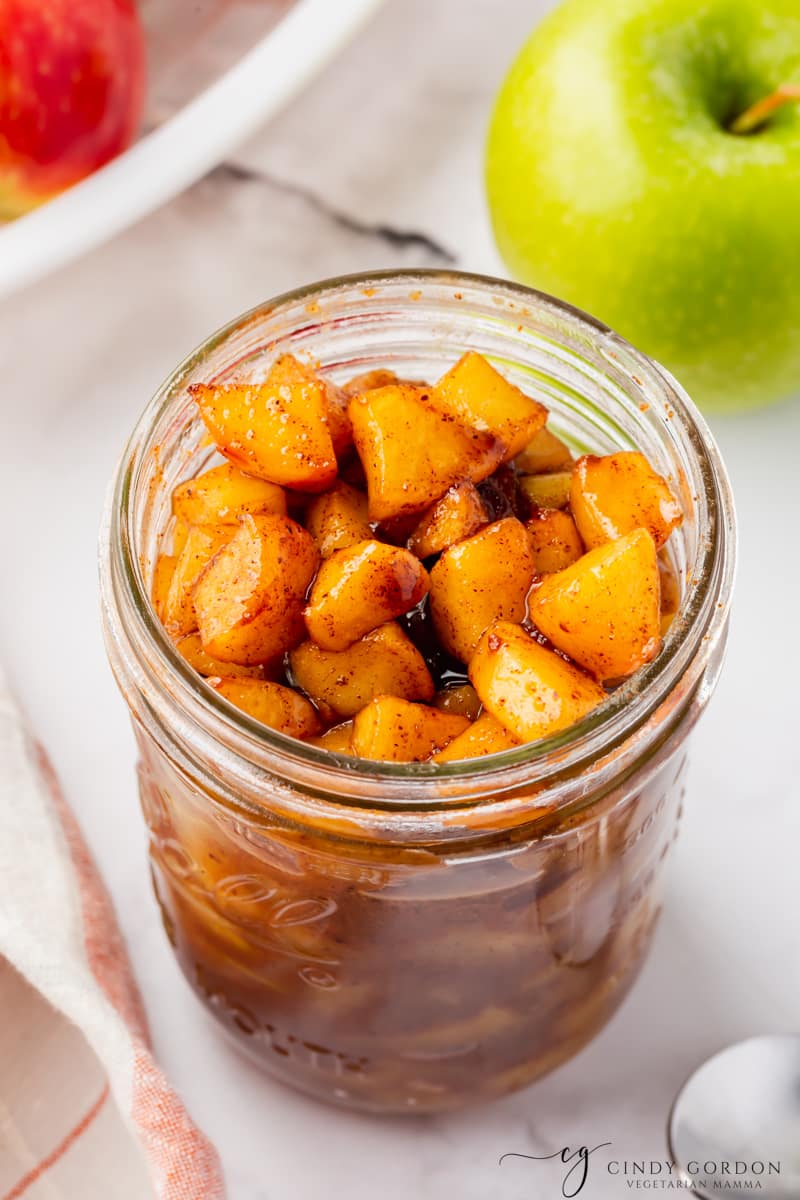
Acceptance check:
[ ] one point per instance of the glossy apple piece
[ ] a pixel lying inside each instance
(614, 494)
(191, 648)
(222, 495)
(484, 736)
(384, 662)
(277, 430)
(544, 452)
(338, 518)
(530, 690)
(478, 396)
(461, 699)
(202, 543)
(548, 490)
(249, 600)
(275, 706)
(411, 452)
(458, 515)
(478, 581)
(554, 539)
(360, 588)
(338, 738)
(392, 730)
(162, 581)
(604, 611)
(178, 532)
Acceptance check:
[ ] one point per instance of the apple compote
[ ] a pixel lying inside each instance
(412, 666)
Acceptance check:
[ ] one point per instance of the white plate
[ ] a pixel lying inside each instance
(217, 70)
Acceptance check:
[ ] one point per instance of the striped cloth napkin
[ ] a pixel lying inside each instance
(85, 1112)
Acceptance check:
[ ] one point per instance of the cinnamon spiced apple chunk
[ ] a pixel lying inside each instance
(393, 730)
(275, 706)
(411, 572)
(554, 540)
(480, 397)
(360, 588)
(222, 495)
(479, 580)
(191, 648)
(614, 495)
(412, 450)
(460, 513)
(201, 544)
(604, 609)
(249, 599)
(544, 452)
(485, 735)
(338, 518)
(530, 690)
(277, 430)
(384, 662)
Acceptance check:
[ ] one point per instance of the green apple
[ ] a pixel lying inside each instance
(633, 170)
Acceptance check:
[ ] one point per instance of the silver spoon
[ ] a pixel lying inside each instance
(737, 1121)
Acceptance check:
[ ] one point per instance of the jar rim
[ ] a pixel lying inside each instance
(428, 786)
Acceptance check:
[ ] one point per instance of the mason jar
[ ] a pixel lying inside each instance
(411, 937)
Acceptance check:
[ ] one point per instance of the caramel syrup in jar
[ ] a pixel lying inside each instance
(395, 980)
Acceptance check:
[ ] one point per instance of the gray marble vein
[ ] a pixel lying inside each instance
(392, 237)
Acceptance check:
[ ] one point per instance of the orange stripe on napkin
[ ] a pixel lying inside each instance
(60, 1150)
(188, 1165)
(184, 1163)
(105, 948)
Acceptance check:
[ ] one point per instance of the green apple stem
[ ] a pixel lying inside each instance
(755, 116)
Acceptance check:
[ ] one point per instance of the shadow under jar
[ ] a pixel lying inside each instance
(406, 937)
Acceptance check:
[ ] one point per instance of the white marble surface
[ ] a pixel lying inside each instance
(390, 136)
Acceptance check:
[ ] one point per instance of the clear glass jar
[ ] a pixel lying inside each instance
(402, 937)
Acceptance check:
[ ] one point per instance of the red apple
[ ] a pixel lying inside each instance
(71, 92)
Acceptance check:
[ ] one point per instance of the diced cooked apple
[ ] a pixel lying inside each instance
(554, 538)
(338, 518)
(604, 611)
(191, 647)
(368, 380)
(392, 730)
(530, 690)
(385, 662)
(277, 430)
(478, 396)
(273, 705)
(670, 592)
(338, 739)
(544, 452)
(478, 581)
(551, 490)
(412, 453)
(335, 400)
(615, 494)
(484, 736)
(341, 431)
(162, 578)
(458, 515)
(461, 699)
(249, 601)
(547, 583)
(360, 588)
(221, 495)
(202, 543)
(180, 532)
